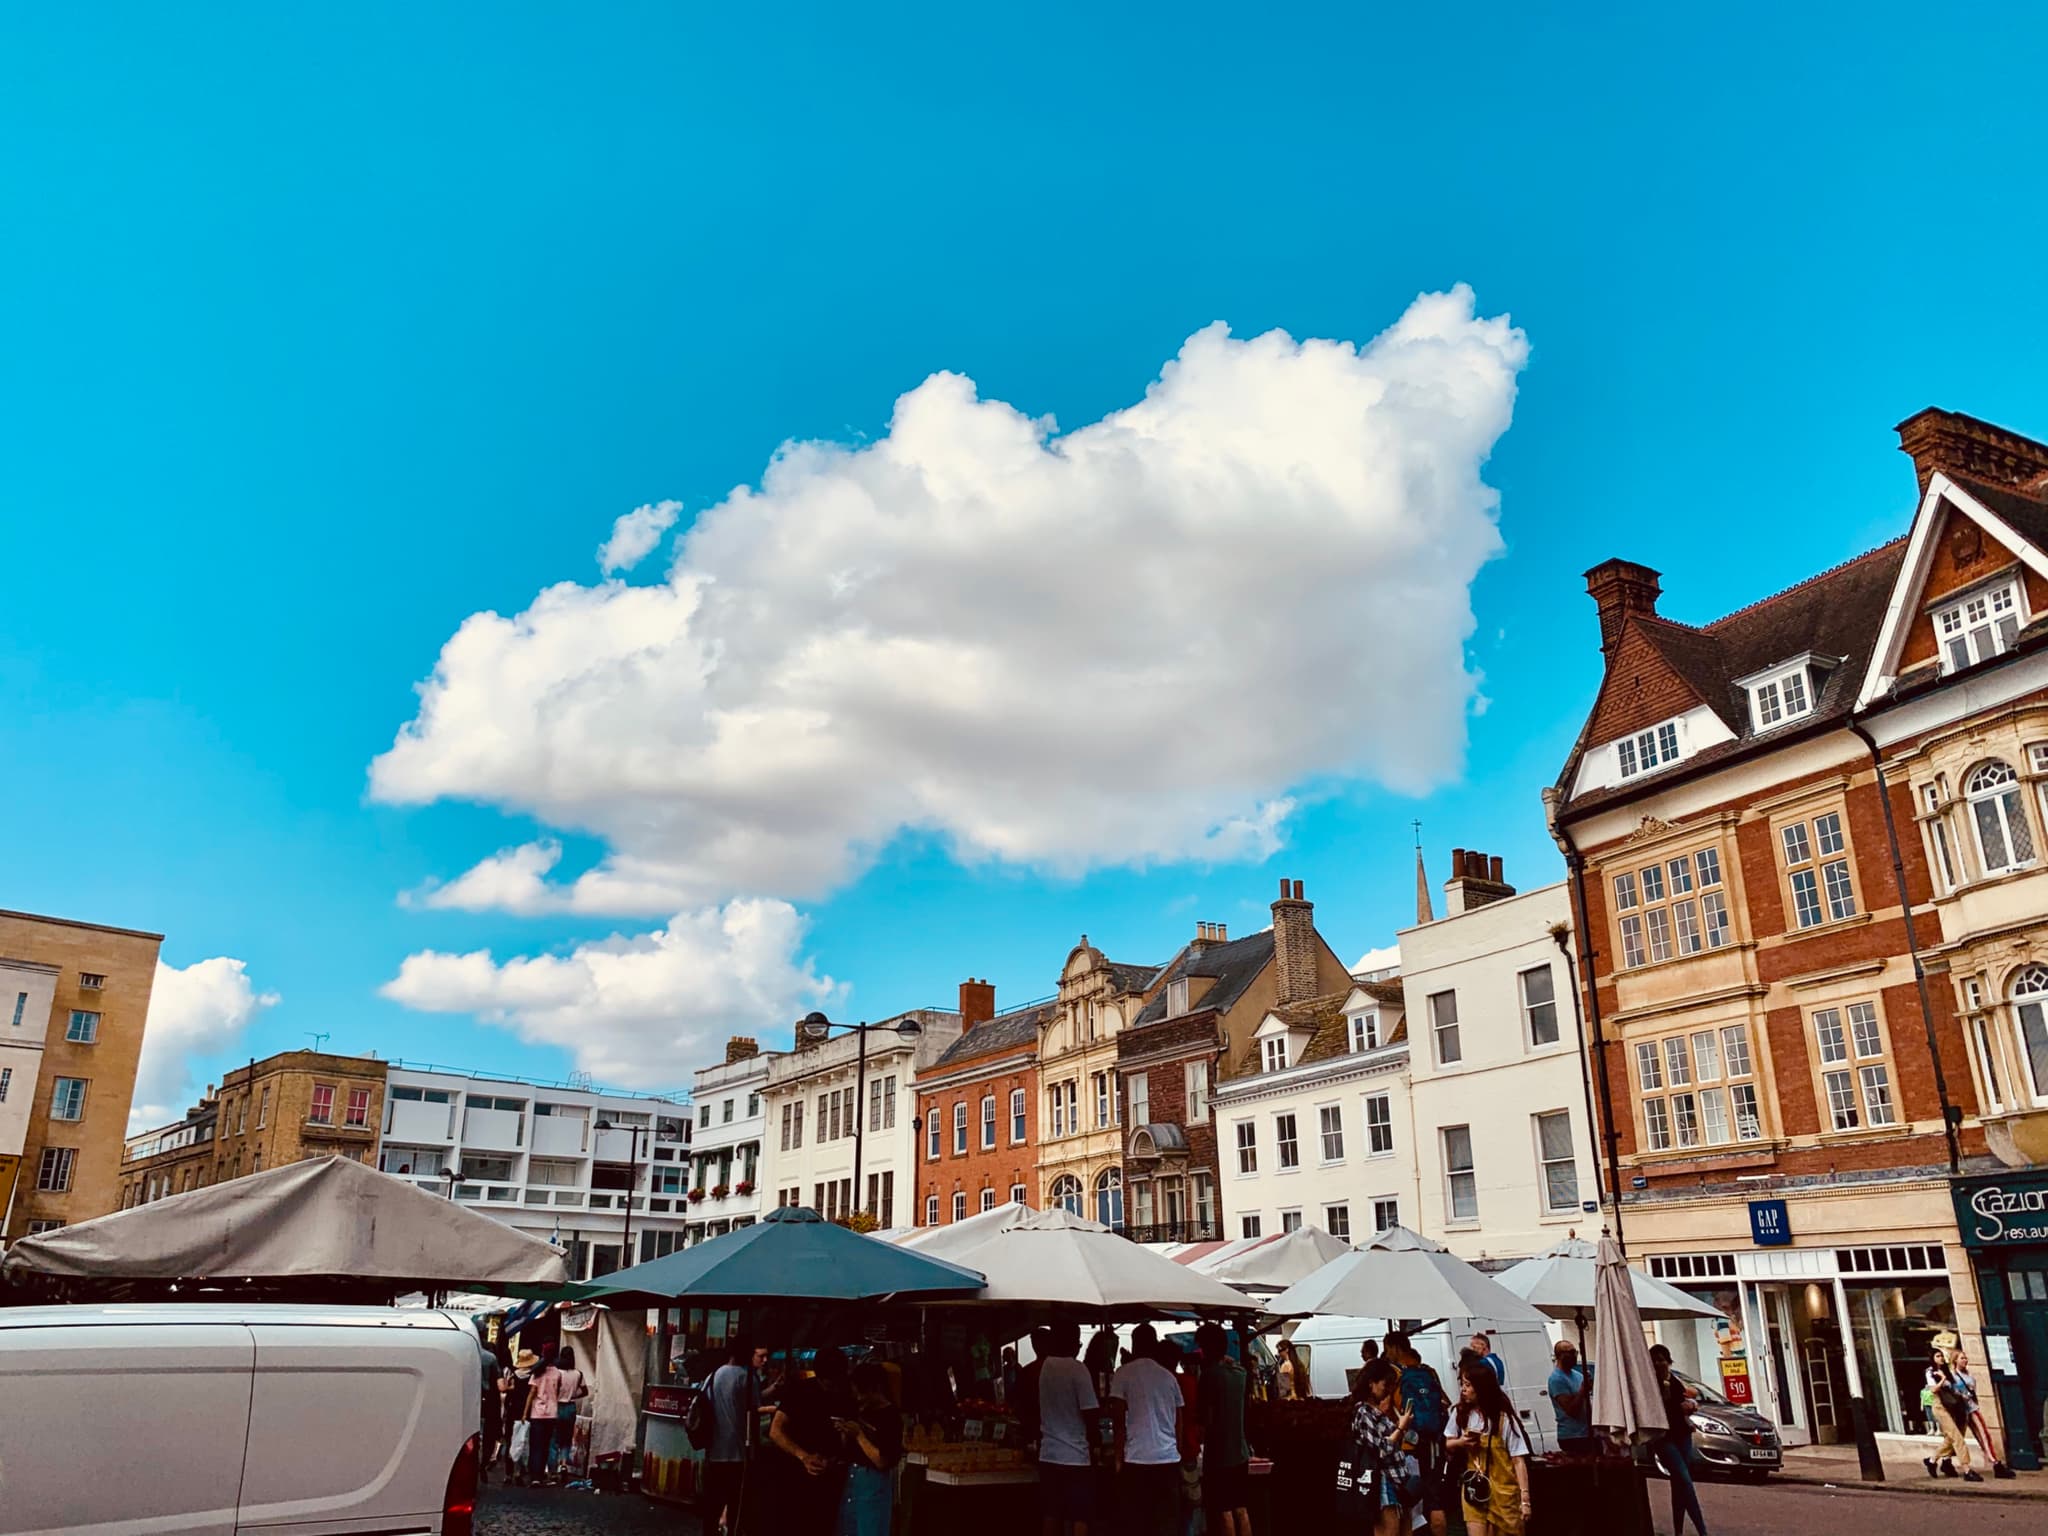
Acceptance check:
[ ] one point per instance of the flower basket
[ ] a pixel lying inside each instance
(718, 1191)
(695, 1195)
(744, 1187)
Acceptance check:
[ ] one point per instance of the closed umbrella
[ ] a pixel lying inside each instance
(791, 1254)
(1559, 1282)
(1060, 1262)
(1625, 1395)
(1401, 1274)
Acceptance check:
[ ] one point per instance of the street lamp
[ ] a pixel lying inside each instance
(816, 1026)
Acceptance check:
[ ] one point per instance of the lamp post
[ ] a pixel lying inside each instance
(818, 1027)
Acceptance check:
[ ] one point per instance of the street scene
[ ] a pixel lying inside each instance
(1159, 772)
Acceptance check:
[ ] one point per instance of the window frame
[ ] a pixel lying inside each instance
(1246, 1141)
(988, 1122)
(1843, 1083)
(72, 1104)
(313, 1104)
(1385, 1206)
(1195, 1092)
(1439, 1027)
(1139, 1086)
(1454, 1172)
(91, 1032)
(1531, 1006)
(2025, 990)
(1955, 606)
(1385, 1102)
(1816, 861)
(1362, 1030)
(1337, 1221)
(1546, 1161)
(1681, 1093)
(1286, 1142)
(1329, 1134)
(1273, 1053)
(959, 1127)
(2007, 798)
(1669, 905)
(1020, 1117)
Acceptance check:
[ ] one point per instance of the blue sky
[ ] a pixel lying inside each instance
(326, 330)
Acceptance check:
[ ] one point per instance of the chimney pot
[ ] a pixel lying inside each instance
(1283, 889)
(1297, 890)
(741, 1048)
(977, 1004)
(1494, 870)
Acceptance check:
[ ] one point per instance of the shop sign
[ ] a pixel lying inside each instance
(2002, 1210)
(667, 1402)
(1770, 1224)
(1735, 1380)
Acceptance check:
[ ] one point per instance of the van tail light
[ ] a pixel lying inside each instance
(458, 1504)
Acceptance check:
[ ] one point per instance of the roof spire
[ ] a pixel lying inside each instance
(1423, 914)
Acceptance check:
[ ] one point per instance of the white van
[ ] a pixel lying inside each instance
(1329, 1347)
(225, 1420)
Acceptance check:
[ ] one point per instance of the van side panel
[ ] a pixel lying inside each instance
(355, 1429)
(121, 1431)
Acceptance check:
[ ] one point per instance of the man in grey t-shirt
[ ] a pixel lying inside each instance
(735, 1400)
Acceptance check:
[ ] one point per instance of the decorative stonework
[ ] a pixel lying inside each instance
(1650, 827)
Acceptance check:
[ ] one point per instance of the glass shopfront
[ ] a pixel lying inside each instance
(2003, 1219)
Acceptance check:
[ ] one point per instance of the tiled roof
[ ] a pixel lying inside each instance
(2028, 515)
(1005, 1031)
(1131, 978)
(1324, 1016)
(1233, 965)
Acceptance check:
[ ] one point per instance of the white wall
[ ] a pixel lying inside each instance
(731, 1087)
(1503, 1080)
(31, 990)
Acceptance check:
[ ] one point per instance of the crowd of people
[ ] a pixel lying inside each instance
(531, 1403)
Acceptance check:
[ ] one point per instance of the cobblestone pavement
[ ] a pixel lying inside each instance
(505, 1511)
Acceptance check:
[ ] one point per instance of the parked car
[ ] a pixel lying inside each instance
(1730, 1437)
(212, 1419)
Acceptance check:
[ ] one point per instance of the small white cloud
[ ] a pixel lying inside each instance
(640, 1010)
(1387, 958)
(635, 535)
(199, 1010)
(515, 880)
(1134, 643)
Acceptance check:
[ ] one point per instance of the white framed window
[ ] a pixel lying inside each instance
(959, 1205)
(1817, 870)
(1247, 1147)
(1386, 1213)
(1978, 627)
(1273, 1053)
(1855, 1071)
(1330, 1126)
(91, 981)
(1698, 1089)
(1777, 697)
(1285, 1140)
(1461, 1178)
(1443, 1025)
(1249, 1226)
(988, 1121)
(1139, 1086)
(1560, 1164)
(1105, 1090)
(67, 1099)
(959, 1127)
(1109, 1197)
(1337, 1222)
(84, 1028)
(1645, 750)
(1067, 1194)
(932, 1131)
(53, 1169)
(1998, 815)
(1196, 1085)
(1539, 1006)
(1364, 1029)
(1177, 997)
(1987, 1059)
(1018, 1124)
(1675, 906)
(1379, 1125)
(1290, 1221)
(1056, 1096)
(1016, 1194)
(1205, 1201)
(2030, 1018)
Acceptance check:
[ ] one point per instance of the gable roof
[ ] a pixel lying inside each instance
(1836, 613)
(1233, 965)
(1330, 1032)
(1006, 1031)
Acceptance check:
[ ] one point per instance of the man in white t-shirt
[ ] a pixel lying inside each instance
(1148, 1438)
(1067, 1409)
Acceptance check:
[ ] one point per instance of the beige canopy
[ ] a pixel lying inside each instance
(329, 1217)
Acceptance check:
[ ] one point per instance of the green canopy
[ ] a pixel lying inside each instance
(791, 1254)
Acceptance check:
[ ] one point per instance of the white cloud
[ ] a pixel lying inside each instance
(635, 535)
(635, 1010)
(199, 1010)
(1385, 958)
(1140, 641)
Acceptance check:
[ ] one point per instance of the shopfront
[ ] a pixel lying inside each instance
(2003, 1219)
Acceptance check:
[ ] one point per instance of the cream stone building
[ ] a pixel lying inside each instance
(1080, 1151)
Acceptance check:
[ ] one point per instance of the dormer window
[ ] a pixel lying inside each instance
(1273, 1054)
(1177, 997)
(1647, 749)
(1365, 1031)
(1981, 626)
(1785, 692)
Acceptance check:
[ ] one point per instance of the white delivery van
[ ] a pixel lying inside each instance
(1329, 1347)
(225, 1420)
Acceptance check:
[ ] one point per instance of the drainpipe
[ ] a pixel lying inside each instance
(1575, 864)
(1949, 1113)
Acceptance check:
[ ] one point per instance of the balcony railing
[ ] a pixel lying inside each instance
(1175, 1232)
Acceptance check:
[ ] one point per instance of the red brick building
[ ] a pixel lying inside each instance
(1194, 1032)
(977, 1146)
(1784, 1103)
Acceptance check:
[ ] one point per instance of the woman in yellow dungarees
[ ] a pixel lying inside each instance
(1485, 1426)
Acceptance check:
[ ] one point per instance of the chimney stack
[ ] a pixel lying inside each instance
(1294, 945)
(1475, 881)
(1974, 450)
(977, 1003)
(1207, 934)
(741, 1048)
(1620, 588)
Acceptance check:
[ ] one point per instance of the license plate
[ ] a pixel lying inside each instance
(1763, 1455)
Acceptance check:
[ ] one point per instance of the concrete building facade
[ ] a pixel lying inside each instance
(74, 999)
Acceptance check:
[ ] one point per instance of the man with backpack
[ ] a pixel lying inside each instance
(1423, 1399)
(720, 1422)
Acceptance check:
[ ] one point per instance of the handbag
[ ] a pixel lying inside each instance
(522, 1440)
(1476, 1484)
(1358, 1474)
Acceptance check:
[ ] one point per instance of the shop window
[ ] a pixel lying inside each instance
(1671, 908)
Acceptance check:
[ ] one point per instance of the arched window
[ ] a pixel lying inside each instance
(2030, 1007)
(1998, 812)
(1109, 1197)
(1066, 1194)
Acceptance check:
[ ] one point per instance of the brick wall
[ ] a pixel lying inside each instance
(253, 1134)
(1640, 689)
(996, 1169)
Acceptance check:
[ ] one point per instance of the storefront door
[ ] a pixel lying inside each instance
(2030, 1341)
(1780, 1357)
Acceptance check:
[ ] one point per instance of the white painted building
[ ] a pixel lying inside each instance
(1497, 1083)
(1316, 1133)
(724, 1188)
(28, 992)
(813, 1107)
(599, 1173)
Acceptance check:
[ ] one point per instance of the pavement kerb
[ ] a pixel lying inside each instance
(2026, 1487)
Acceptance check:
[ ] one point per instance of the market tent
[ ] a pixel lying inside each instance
(1625, 1395)
(1401, 1274)
(948, 1242)
(327, 1220)
(1560, 1283)
(1271, 1263)
(1061, 1262)
(791, 1254)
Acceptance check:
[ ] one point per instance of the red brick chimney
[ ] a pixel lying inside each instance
(1620, 588)
(1475, 881)
(977, 1003)
(1974, 450)
(1294, 945)
(741, 1048)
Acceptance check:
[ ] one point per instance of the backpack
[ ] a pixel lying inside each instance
(698, 1421)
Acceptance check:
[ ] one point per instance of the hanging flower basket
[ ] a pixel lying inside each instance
(718, 1191)
(695, 1195)
(744, 1187)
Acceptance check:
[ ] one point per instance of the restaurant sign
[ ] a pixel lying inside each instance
(2002, 1210)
